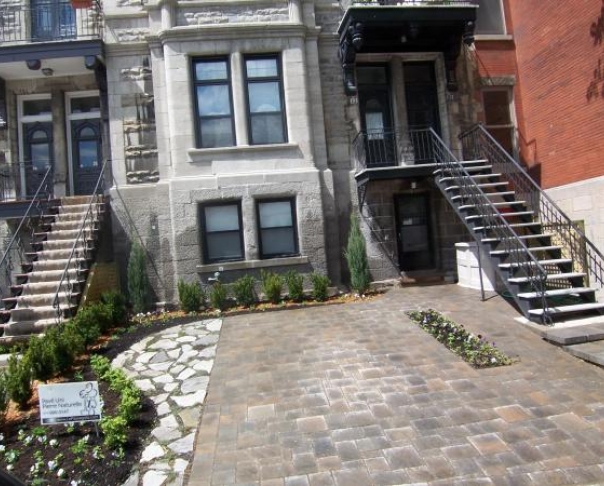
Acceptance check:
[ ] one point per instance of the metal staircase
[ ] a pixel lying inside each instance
(548, 266)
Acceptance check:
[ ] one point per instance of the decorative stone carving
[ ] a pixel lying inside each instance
(236, 14)
(131, 35)
(136, 73)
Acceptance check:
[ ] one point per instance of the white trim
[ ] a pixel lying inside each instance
(512, 110)
(69, 117)
(21, 120)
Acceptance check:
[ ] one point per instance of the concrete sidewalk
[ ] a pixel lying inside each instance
(358, 395)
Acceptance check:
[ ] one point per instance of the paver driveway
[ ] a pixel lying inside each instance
(358, 395)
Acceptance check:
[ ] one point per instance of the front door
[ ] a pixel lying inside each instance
(376, 117)
(413, 232)
(38, 151)
(422, 106)
(86, 154)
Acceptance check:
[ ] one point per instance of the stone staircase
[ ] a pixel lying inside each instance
(518, 244)
(51, 284)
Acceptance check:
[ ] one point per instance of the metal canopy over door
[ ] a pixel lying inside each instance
(85, 128)
(376, 116)
(422, 104)
(413, 232)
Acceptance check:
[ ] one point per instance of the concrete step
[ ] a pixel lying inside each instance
(575, 334)
(549, 277)
(469, 168)
(532, 249)
(551, 261)
(564, 310)
(591, 351)
(489, 185)
(569, 292)
(494, 204)
(511, 225)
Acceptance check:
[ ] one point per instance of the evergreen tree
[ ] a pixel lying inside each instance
(356, 257)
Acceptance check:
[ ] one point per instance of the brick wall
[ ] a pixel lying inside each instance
(560, 56)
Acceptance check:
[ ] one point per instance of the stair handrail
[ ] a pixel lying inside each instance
(6, 261)
(56, 303)
(544, 206)
(495, 222)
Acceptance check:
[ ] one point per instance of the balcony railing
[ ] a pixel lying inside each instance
(408, 3)
(20, 181)
(378, 149)
(48, 20)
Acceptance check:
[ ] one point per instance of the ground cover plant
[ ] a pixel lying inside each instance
(474, 349)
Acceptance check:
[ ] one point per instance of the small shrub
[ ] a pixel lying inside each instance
(87, 327)
(320, 286)
(356, 257)
(138, 282)
(4, 398)
(115, 430)
(67, 344)
(41, 353)
(117, 379)
(272, 285)
(295, 285)
(96, 314)
(115, 303)
(218, 296)
(190, 295)
(244, 291)
(100, 365)
(19, 380)
(130, 403)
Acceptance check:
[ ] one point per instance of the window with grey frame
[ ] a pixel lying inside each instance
(266, 109)
(490, 19)
(213, 103)
(222, 232)
(277, 227)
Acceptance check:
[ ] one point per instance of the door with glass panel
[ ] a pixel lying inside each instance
(414, 237)
(85, 128)
(38, 153)
(52, 20)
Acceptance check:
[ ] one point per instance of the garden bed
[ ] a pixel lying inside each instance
(472, 348)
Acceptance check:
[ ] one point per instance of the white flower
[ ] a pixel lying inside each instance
(10, 467)
(74, 483)
(1, 437)
(61, 473)
(493, 359)
(86, 438)
(54, 442)
(27, 440)
(52, 465)
(2, 448)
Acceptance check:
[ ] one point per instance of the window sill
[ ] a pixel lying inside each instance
(493, 37)
(239, 149)
(251, 264)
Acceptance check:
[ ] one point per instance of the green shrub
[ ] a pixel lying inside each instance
(115, 303)
(295, 285)
(41, 353)
(117, 379)
(190, 295)
(87, 327)
(218, 296)
(3, 392)
(130, 403)
(96, 313)
(320, 285)
(115, 430)
(272, 285)
(67, 345)
(100, 365)
(244, 291)
(356, 257)
(19, 380)
(138, 282)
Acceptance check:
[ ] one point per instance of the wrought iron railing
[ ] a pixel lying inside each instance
(478, 143)
(48, 20)
(375, 149)
(518, 254)
(410, 3)
(21, 180)
(78, 255)
(14, 253)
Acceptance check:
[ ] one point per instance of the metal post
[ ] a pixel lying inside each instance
(480, 272)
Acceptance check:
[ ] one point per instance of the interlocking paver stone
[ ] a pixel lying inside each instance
(362, 396)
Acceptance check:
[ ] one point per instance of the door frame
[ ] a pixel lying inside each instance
(69, 117)
(427, 196)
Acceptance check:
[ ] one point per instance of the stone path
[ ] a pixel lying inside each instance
(172, 367)
(357, 395)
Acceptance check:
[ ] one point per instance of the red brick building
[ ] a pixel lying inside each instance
(549, 63)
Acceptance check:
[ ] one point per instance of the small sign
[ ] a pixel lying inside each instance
(70, 402)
